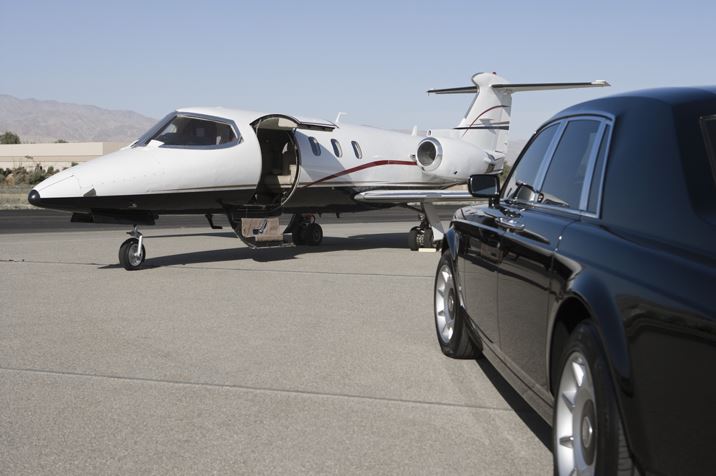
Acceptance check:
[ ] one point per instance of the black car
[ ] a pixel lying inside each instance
(589, 282)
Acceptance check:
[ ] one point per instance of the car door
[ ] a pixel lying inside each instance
(481, 234)
(477, 267)
(538, 212)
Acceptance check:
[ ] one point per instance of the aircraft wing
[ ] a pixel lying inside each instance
(410, 196)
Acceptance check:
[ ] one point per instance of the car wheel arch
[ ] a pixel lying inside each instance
(586, 298)
(451, 242)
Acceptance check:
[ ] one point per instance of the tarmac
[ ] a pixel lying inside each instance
(216, 358)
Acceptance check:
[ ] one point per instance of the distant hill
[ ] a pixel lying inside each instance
(47, 121)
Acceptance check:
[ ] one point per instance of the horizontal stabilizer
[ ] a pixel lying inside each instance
(462, 90)
(411, 196)
(515, 87)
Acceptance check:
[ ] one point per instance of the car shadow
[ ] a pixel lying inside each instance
(529, 417)
(239, 253)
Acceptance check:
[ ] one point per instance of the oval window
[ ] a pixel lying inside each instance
(356, 150)
(315, 146)
(337, 148)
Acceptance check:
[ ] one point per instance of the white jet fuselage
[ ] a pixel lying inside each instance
(332, 164)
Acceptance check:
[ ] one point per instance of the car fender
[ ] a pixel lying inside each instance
(604, 312)
(451, 242)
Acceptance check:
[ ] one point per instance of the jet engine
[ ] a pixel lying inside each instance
(452, 158)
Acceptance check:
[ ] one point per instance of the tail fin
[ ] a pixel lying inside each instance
(487, 121)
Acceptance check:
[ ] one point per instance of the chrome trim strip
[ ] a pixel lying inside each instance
(586, 185)
(598, 212)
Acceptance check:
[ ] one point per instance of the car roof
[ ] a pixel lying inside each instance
(614, 104)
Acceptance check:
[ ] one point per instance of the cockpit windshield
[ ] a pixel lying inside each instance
(190, 131)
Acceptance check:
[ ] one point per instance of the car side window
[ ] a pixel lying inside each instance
(521, 185)
(564, 180)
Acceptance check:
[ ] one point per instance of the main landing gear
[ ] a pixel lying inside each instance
(132, 252)
(304, 230)
(430, 231)
(265, 232)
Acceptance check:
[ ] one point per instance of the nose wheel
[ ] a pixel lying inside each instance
(132, 252)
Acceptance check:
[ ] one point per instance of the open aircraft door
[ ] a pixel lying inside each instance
(279, 179)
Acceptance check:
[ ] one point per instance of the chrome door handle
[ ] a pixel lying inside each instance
(509, 224)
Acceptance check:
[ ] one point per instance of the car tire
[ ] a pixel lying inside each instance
(450, 325)
(587, 433)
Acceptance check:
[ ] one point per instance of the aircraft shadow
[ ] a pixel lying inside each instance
(330, 244)
(218, 234)
(528, 416)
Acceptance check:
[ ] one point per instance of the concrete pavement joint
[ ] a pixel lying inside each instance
(258, 389)
(149, 266)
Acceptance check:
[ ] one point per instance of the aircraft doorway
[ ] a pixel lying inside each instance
(280, 161)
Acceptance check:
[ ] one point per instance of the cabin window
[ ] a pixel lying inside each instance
(315, 146)
(357, 150)
(187, 131)
(337, 148)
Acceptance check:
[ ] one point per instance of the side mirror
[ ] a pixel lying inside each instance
(484, 186)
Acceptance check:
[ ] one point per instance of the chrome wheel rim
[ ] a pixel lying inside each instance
(575, 432)
(135, 259)
(445, 304)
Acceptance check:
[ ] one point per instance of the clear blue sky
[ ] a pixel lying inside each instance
(372, 59)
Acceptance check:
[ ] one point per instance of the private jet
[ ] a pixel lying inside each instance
(254, 167)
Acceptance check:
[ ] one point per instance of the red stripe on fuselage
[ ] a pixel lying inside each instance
(368, 165)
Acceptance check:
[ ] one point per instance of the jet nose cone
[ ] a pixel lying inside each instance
(34, 198)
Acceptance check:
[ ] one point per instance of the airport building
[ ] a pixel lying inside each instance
(58, 156)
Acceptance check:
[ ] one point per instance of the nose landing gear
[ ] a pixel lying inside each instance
(132, 252)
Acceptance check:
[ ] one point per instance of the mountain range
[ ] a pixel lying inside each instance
(48, 121)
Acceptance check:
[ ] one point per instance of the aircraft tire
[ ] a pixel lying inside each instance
(428, 238)
(297, 236)
(413, 238)
(312, 234)
(127, 257)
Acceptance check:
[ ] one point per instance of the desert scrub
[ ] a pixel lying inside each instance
(22, 176)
